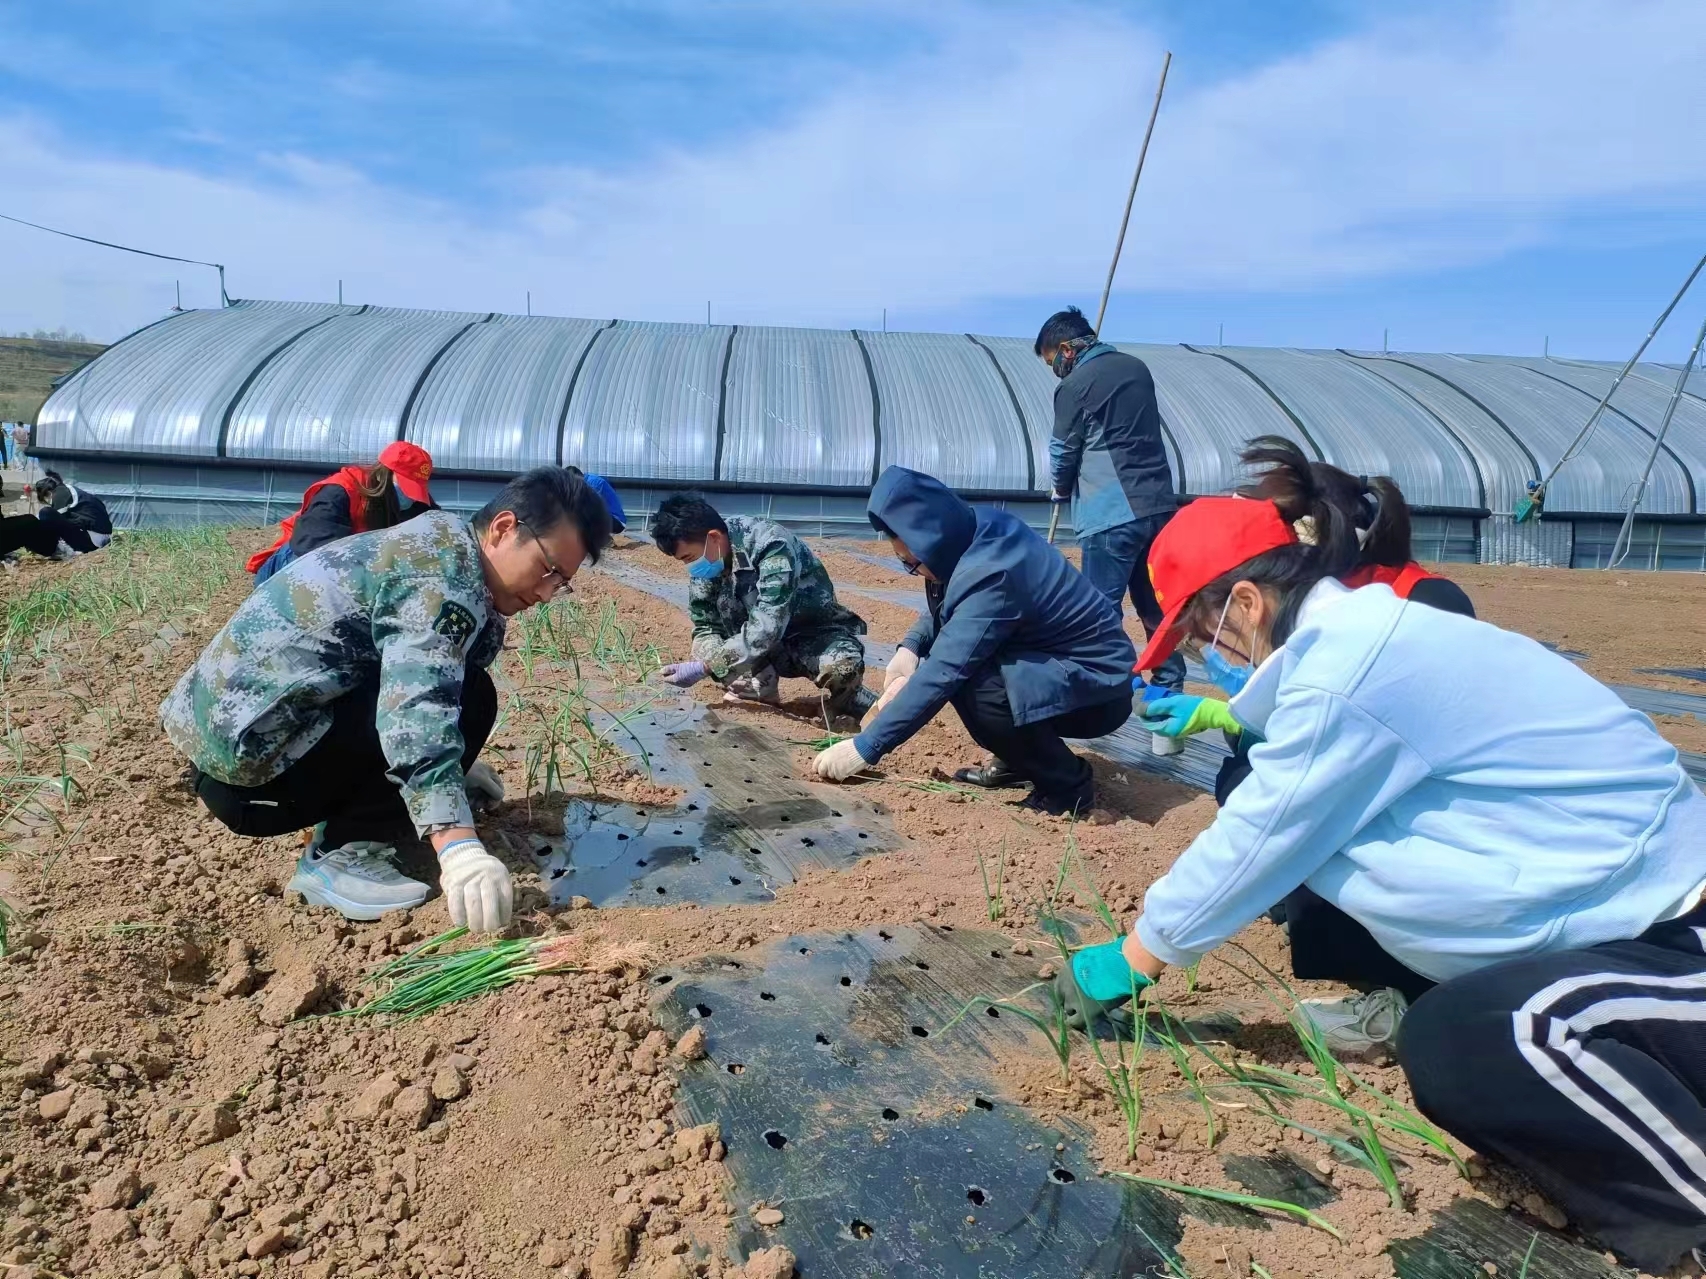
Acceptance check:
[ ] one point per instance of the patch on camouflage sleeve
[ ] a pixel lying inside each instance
(454, 622)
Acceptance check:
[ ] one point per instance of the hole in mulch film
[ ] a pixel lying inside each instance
(775, 1140)
(557, 872)
(863, 835)
(754, 851)
(786, 818)
(766, 995)
(1061, 1175)
(921, 1032)
(735, 880)
(821, 1039)
(947, 928)
(807, 842)
(663, 979)
(859, 1229)
(846, 981)
(977, 1195)
(805, 950)
(642, 862)
(834, 813)
(995, 954)
(993, 1011)
(621, 835)
(662, 889)
(921, 965)
(704, 1010)
(983, 1103)
(735, 1068)
(885, 936)
(693, 808)
(890, 1113)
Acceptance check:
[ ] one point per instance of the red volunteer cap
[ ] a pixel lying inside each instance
(1211, 536)
(411, 468)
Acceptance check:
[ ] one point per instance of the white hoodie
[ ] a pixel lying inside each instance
(1464, 793)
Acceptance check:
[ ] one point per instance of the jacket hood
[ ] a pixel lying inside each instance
(927, 515)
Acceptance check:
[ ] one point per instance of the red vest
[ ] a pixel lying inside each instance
(1401, 580)
(349, 479)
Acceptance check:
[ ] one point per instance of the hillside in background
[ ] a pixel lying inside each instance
(28, 367)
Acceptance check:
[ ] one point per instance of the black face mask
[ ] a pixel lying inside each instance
(1067, 353)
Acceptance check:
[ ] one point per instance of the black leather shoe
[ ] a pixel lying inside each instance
(993, 776)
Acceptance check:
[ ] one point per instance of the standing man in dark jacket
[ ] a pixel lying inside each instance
(1107, 457)
(1024, 648)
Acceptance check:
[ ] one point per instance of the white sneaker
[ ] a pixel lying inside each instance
(1161, 744)
(358, 880)
(760, 687)
(1358, 1023)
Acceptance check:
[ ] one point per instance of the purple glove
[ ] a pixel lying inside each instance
(683, 674)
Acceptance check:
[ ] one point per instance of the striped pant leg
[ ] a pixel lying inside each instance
(1586, 1069)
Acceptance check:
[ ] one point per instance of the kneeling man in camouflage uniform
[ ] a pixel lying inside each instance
(762, 606)
(350, 693)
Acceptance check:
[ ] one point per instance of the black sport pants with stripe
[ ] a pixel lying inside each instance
(1587, 1070)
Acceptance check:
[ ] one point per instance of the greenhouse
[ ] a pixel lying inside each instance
(226, 415)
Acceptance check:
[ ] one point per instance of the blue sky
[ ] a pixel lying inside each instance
(1469, 176)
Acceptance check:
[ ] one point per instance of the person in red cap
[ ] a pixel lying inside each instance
(355, 499)
(1513, 855)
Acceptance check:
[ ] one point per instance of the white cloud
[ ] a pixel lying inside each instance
(996, 167)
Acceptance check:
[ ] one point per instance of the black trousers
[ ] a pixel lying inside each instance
(342, 780)
(1035, 751)
(1587, 1070)
(42, 534)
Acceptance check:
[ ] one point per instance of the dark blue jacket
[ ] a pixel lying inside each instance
(1005, 596)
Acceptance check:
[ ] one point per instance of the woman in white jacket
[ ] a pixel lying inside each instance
(1498, 829)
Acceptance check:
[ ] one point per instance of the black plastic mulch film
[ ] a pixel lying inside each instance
(891, 1150)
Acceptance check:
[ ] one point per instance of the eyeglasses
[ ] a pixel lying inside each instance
(552, 569)
(913, 567)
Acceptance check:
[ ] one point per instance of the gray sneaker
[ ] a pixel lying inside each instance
(1358, 1023)
(357, 880)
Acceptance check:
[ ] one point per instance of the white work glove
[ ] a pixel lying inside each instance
(839, 762)
(482, 785)
(902, 667)
(476, 886)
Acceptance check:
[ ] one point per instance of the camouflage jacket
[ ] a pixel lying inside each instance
(405, 609)
(776, 587)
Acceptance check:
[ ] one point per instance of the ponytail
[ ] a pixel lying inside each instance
(1326, 505)
(1342, 521)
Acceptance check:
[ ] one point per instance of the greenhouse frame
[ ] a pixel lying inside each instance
(225, 416)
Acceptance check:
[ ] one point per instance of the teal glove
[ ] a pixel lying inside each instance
(1186, 715)
(1103, 974)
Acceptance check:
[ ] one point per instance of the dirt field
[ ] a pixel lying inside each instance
(171, 1109)
(28, 367)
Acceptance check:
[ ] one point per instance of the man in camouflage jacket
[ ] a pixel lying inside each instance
(762, 607)
(350, 691)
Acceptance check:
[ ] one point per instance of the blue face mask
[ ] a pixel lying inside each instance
(1221, 673)
(705, 569)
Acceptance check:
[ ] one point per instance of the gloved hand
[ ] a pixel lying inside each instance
(891, 690)
(1185, 715)
(1096, 981)
(902, 667)
(1058, 498)
(839, 762)
(476, 886)
(683, 674)
(482, 785)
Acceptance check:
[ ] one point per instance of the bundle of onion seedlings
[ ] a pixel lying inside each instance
(429, 977)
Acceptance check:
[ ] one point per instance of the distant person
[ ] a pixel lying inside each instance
(355, 499)
(5, 445)
(1108, 458)
(68, 522)
(762, 608)
(612, 503)
(1024, 648)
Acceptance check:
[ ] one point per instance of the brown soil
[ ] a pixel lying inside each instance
(530, 1133)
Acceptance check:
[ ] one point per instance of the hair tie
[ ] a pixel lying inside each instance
(1305, 530)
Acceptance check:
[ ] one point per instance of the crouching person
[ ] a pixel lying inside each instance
(762, 607)
(1025, 649)
(352, 694)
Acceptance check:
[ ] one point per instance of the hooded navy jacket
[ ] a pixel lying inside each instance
(1005, 596)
